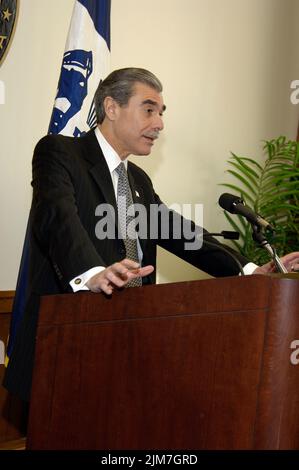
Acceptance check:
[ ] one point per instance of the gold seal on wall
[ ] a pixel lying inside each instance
(8, 15)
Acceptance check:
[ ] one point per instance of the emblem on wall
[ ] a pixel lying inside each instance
(8, 14)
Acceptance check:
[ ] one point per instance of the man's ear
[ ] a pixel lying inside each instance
(111, 108)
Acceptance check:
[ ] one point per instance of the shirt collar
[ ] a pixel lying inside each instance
(111, 157)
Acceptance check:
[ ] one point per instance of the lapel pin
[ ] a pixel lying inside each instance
(137, 193)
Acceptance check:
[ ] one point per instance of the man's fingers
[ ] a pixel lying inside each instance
(117, 275)
(145, 271)
(129, 263)
(117, 278)
(291, 261)
(139, 272)
(108, 289)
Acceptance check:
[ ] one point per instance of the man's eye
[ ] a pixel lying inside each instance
(149, 110)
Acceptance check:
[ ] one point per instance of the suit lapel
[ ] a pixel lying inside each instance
(100, 171)
(98, 167)
(138, 198)
(137, 191)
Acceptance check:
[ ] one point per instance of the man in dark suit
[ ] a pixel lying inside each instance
(74, 177)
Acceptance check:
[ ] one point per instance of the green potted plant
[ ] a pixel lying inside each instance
(270, 188)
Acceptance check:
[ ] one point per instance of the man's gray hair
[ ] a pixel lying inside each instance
(120, 86)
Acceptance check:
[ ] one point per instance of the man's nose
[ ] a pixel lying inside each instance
(159, 124)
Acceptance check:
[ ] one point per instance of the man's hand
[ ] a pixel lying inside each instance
(117, 276)
(290, 261)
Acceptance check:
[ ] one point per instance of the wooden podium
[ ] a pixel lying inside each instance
(191, 365)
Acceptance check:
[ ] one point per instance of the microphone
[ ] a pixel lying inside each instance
(236, 205)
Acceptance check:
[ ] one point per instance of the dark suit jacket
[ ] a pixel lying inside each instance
(70, 179)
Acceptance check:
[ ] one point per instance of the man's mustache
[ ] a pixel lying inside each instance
(152, 135)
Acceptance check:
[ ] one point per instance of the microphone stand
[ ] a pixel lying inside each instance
(260, 238)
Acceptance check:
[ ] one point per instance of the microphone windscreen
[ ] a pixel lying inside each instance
(227, 202)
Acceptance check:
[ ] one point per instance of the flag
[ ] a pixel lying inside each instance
(20, 295)
(85, 62)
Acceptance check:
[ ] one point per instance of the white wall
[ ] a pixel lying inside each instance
(226, 67)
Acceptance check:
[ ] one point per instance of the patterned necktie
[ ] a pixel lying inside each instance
(128, 233)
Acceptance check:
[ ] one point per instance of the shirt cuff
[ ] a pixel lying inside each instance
(78, 283)
(249, 268)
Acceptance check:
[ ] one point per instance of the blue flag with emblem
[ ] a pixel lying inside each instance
(86, 61)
